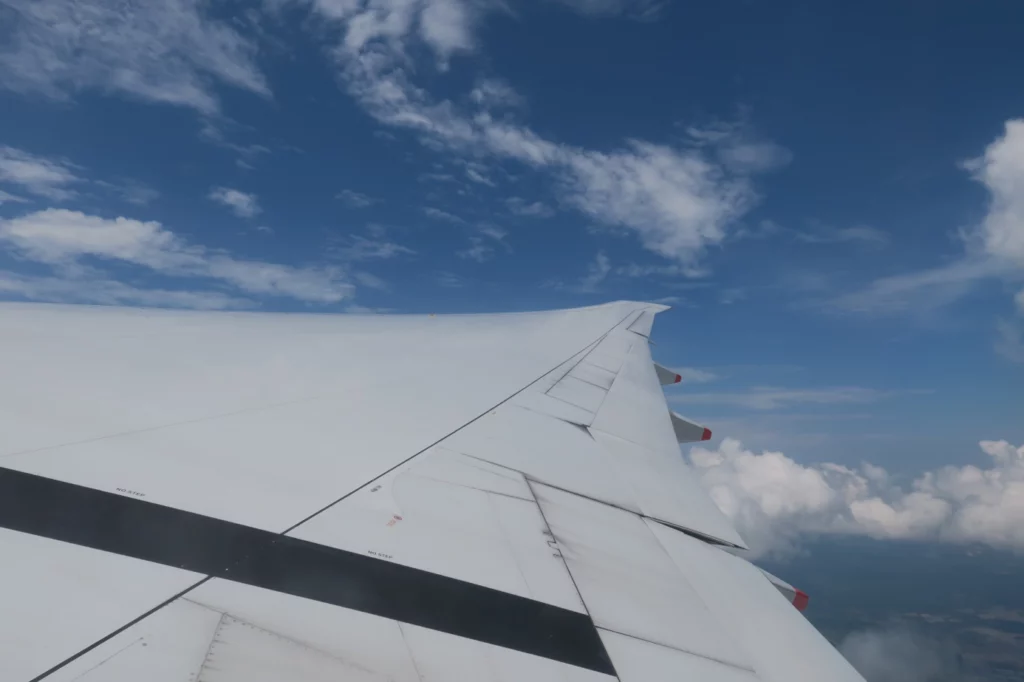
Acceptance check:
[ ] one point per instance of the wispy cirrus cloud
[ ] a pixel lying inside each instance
(531, 209)
(590, 283)
(858, 234)
(992, 249)
(131, 191)
(52, 178)
(643, 10)
(354, 199)
(677, 199)
(168, 52)
(443, 216)
(58, 179)
(920, 291)
(355, 247)
(483, 242)
(775, 398)
(7, 197)
(72, 243)
(100, 290)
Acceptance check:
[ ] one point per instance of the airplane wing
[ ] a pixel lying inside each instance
(229, 497)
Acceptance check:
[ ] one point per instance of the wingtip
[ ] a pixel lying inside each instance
(679, 377)
(706, 435)
(800, 600)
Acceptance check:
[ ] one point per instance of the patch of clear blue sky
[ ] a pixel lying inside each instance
(877, 101)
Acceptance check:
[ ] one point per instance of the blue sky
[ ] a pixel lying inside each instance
(831, 195)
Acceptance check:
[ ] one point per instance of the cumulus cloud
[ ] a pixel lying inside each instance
(899, 654)
(169, 51)
(1001, 170)
(773, 500)
(70, 241)
(50, 178)
(678, 200)
(242, 204)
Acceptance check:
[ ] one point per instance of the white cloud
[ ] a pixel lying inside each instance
(356, 199)
(636, 270)
(131, 191)
(103, 291)
(492, 93)
(44, 177)
(773, 500)
(771, 398)
(921, 291)
(535, 209)
(444, 216)
(677, 200)
(449, 280)
(70, 240)
(356, 309)
(492, 232)
(478, 250)
(731, 295)
(369, 280)
(643, 10)
(994, 248)
(1010, 340)
(242, 204)
(597, 273)
(212, 131)
(753, 156)
(357, 248)
(482, 244)
(7, 197)
(843, 235)
(735, 145)
(167, 52)
(475, 173)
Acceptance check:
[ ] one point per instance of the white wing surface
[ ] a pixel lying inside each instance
(238, 497)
